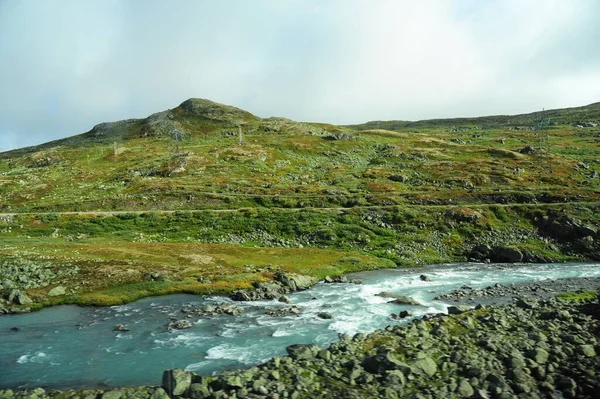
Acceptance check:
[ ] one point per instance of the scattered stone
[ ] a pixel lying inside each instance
(179, 325)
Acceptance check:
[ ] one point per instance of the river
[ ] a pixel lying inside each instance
(75, 347)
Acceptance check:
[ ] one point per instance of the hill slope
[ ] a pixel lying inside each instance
(144, 202)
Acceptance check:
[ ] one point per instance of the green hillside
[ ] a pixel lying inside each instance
(396, 193)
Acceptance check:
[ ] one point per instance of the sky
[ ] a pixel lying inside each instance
(67, 65)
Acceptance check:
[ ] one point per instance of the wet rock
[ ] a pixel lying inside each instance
(405, 300)
(282, 311)
(179, 325)
(121, 328)
(405, 313)
(424, 277)
(324, 315)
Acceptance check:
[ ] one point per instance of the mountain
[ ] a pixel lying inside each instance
(557, 116)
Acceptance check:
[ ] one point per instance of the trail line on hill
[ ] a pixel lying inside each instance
(172, 211)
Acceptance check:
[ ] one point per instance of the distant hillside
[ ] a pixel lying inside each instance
(557, 116)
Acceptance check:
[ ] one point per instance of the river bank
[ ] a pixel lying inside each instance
(531, 349)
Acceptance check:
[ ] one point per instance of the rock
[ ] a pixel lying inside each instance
(565, 228)
(386, 294)
(507, 254)
(56, 291)
(458, 309)
(527, 150)
(424, 277)
(120, 327)
(405, 313)
(296, 282)
(425, 366)
(328, 280)
(539, 355)
(587, 350)
(284, 299)
(160, 393)
(381, 362)
(180, 325)
(405, 300)
(302, 351)
(526, 303)
(465, 389)
(112, 394)
(18, 297)
(176, 382)
(284, 311)
(324, 315)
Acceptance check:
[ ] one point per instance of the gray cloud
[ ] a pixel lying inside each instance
(69, 64)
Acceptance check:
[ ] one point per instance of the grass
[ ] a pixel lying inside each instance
(114, 272)
(577, 296)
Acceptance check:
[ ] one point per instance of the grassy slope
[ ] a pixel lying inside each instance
(424, 193)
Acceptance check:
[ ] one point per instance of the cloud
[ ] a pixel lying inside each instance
(78, 63)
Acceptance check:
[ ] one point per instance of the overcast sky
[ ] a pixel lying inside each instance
(66, 65)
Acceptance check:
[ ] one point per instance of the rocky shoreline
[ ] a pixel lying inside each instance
(534, 348)
(500, 294)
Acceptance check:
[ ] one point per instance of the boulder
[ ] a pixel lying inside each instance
(179, 325)
(176, 382)
(424, 277)
(406, 300)
(302, 351)
(159, 393)
(507, 254)
(465, 390)
(404, 314)
(296, 282)
(121, 328)
(382, 362)
(458, 309)
(56, 291)
(425, 366)
(18, 297)
(324, 315)
(112, 394)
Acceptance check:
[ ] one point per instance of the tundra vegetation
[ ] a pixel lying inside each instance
(124, 211)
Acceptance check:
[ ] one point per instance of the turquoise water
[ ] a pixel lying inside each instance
(72, 347)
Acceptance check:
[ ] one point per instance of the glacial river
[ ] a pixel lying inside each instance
(75, 347)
